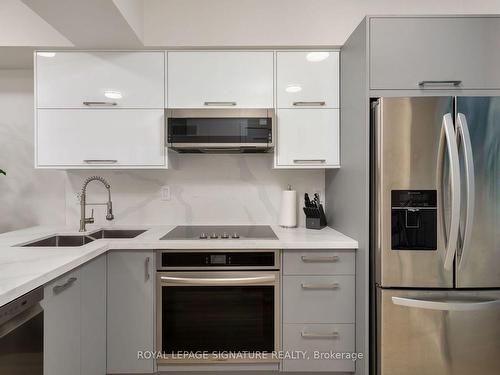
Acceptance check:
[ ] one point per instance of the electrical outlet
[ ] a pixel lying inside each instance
(165, 193)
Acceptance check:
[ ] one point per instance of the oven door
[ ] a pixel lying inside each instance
(215, 312)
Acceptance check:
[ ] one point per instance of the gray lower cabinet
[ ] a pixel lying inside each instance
(130, 311)
(318, 296)
(75, 321)
(407, 50)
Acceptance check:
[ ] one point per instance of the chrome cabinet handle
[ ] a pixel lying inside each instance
(452, 305)
(218, 280)
(302, 104)
(319, 335)
(448, 133)
(100, 161)
(320, 286)
(224, 104)
(59, 288)
(319, 259)
(316, 161)
(464, 138)
(89, 104)
(146, 268)
(454, 83)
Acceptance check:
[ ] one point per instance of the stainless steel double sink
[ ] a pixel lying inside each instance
(71, 240)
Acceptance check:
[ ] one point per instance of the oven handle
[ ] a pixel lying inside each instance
(219, 280)
(18, 320)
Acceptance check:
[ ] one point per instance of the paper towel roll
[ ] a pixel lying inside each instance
(288, 214)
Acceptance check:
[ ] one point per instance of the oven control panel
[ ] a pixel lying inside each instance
(220, 259)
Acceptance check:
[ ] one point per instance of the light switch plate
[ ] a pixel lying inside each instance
(165, 193)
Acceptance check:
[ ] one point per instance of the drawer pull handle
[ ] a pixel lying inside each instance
(302, 104)
(315, 259)
(90, 104)
(454, 83)
(59, 288)
(319, 335)
(320, 286)
(222, 104)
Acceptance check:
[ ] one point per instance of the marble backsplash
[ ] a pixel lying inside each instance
(204, 189)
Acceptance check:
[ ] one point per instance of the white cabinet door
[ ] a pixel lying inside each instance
(307, 79)
(62, 317)
(308, 138)
(129, 79)
(100, 138)
(93, 317)
(240, 79)
(131, 307)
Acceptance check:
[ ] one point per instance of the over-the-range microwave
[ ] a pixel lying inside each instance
(220, 130)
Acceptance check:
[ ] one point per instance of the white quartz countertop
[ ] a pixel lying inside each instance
(25, 268)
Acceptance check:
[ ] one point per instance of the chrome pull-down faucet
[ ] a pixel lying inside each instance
(83, 203)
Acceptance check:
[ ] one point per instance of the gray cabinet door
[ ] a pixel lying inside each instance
(130, 323)
(93, 317)
(407, 50)
(61, 319)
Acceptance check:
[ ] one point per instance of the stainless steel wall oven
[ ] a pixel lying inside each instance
(218, 301)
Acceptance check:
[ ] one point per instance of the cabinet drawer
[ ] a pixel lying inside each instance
(409, 50)
(318, 262)
(318, 299)
(128, 79)
(316, 339)
(238, 79)
(308, 138)
(96, 138)
(307, 79)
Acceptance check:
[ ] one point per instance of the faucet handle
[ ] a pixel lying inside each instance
(90, 220)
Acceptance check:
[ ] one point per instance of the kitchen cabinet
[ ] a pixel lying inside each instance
(318, 296)
(100, 138)
(307, 138)
(218, 79)
(307, 79)
(131, 311)
(407, 50)
(75, 321)
(75, 79)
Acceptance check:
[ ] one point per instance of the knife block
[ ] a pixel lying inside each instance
(315, 217)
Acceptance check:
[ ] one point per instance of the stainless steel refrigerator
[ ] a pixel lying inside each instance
(435, 235)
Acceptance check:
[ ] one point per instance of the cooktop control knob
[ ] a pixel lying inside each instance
(203, 236)
(236, 235)
(214, 235)
(225, 235)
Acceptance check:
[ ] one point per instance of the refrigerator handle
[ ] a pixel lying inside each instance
(448, 132)
(463, 137)
(444, 305)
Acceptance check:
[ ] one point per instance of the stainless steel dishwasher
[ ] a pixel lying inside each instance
(21, 335)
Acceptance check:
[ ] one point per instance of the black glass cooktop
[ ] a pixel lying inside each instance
(214, 232)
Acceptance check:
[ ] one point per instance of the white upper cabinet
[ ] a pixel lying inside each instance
(100, 138)
(307, 79)
(100, 79)
(205, 79)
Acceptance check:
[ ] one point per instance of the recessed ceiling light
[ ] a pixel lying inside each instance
(46, 54)
(317, 56)
(111, 94)
(293, 88)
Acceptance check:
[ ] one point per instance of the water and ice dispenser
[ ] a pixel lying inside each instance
(414, 219)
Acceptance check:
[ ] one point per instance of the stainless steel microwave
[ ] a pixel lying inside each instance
(220, 130)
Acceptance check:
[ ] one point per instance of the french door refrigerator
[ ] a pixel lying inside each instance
(435, 235)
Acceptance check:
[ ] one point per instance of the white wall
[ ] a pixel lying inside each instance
(27, 196)
(279, 22)
(204, 188)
